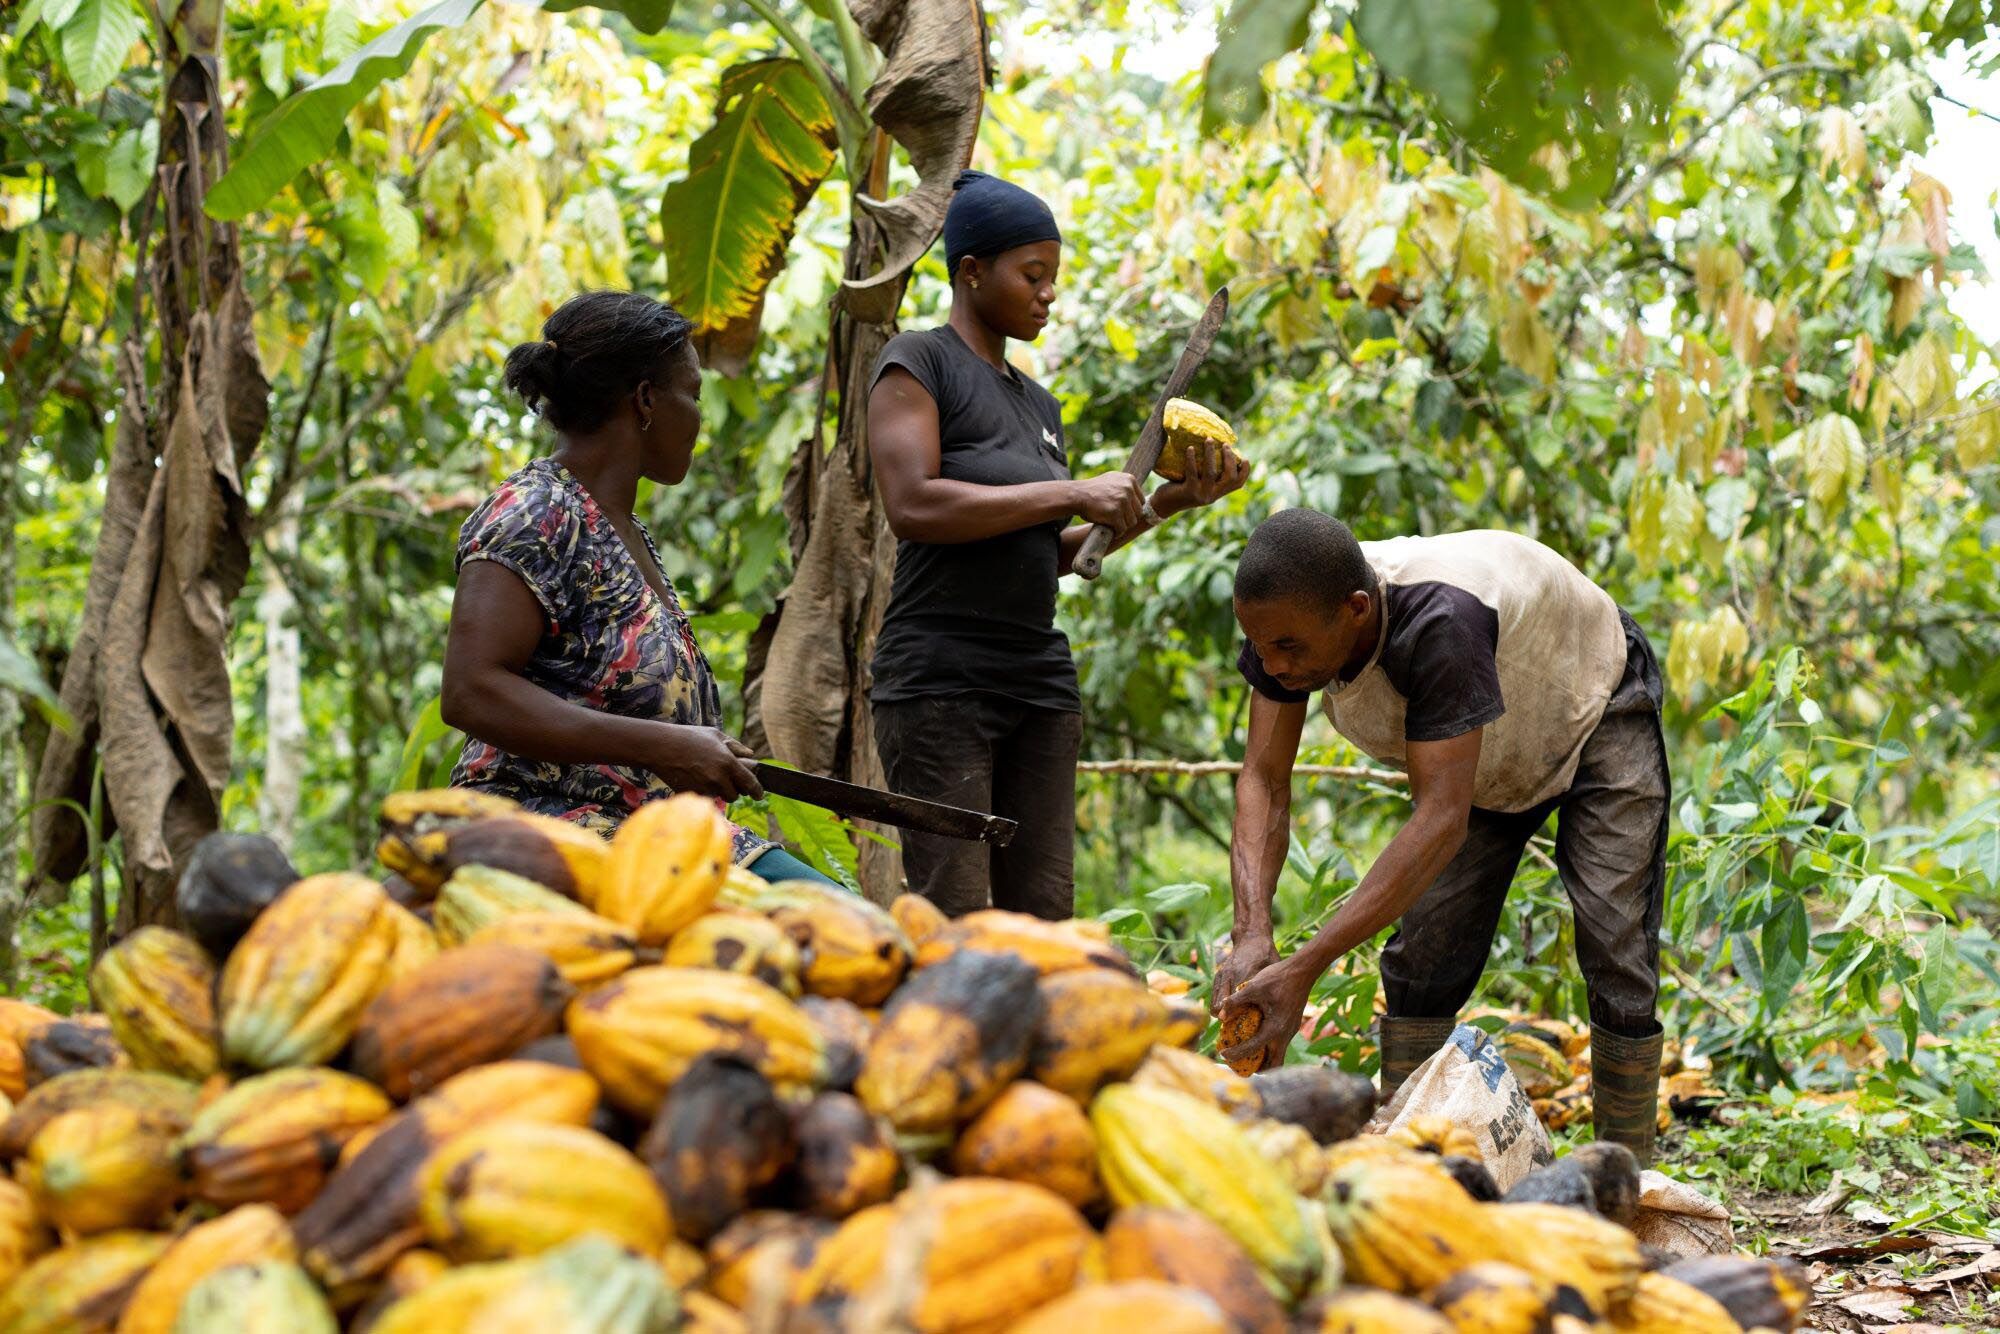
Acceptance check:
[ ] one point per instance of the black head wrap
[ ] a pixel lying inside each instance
(989, 215)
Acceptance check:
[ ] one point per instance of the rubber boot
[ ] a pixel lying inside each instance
(1406, 1044)
(1625, 1089)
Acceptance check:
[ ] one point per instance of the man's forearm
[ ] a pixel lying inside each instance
(1257, 848)
(1420, 850)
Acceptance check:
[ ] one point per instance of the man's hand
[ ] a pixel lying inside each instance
(1249, 954)
(1279, 993)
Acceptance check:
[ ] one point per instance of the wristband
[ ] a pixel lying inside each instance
(1147, 514)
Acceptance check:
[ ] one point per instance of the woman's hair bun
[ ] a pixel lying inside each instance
(533, 371)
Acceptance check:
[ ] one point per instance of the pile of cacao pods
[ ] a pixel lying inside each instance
(534, 1080)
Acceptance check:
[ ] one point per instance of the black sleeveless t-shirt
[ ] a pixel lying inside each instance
(979, 616)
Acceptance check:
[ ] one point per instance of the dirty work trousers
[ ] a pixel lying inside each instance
(1611, 846)
(987, 753)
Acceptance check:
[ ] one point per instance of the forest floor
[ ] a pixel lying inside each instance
(1870, 1274)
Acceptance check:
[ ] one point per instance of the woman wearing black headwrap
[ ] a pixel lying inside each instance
(974, 694)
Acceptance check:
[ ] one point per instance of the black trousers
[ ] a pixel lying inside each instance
(988, 753)
(1611, 849)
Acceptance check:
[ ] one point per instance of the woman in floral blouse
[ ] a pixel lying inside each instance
(571, 666)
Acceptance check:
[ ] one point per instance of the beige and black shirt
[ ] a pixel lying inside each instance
(1480, 629)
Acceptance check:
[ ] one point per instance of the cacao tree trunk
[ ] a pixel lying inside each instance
(813, 701)
(11, 900)
(148, 684)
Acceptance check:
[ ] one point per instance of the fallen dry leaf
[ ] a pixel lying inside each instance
(1985, 1264)
(1901, 1243)
(1878, 1302)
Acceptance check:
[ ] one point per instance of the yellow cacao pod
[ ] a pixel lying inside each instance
(271, 1138)
(1662, 1305)
(477, 896)
(1405, 1226)
(640, 1032)
(408, 818)
(79, 1288)
(1032, 1133)
(951, 1039)
(736, 941)
(451, 1303)
(1096, 1027)
(1164, 1148)
(157, 988)
(998, 1250)
(566, 857)
(367, 1215)
(1492, 1298)
(1569, 1248)
(1372, 1311)
(851, 949)
(585, 948)
(24, 1234)
(165, 1102)
(1190, 429)
(703, 1314)
(264, 1297)
(1116, 1308)
(1190, 1072)
(245, 1235)
(1439, 1135)
(295, 985)
(668, 861)
(762, 1258)
(919, 918)
(520, 1188)
(1186, 1249)
(587, 1286)
(416, 944)
(1050, 947)
(1292, 1150)
(100, 1169)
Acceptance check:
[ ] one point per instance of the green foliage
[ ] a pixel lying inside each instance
(20, 675)
(727, 222)
(303, 129)
(1548, 91)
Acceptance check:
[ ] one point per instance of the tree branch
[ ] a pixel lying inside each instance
(1679, 155)
(387, 385)
(288, 467)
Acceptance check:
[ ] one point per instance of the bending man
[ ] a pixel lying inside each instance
(1510, 688)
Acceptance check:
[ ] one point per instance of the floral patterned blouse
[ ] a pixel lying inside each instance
(610, 643)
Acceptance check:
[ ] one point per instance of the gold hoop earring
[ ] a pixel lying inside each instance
(645, 424)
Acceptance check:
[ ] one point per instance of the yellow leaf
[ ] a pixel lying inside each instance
(1509, 219)
(1701, 650)
(1842, 143)
(1664, 521)
(1717, 268)
(1525, 341)
(1834, 460)
(1977, 442)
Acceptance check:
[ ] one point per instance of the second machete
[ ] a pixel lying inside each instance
(1090, 558)
(890, 808)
